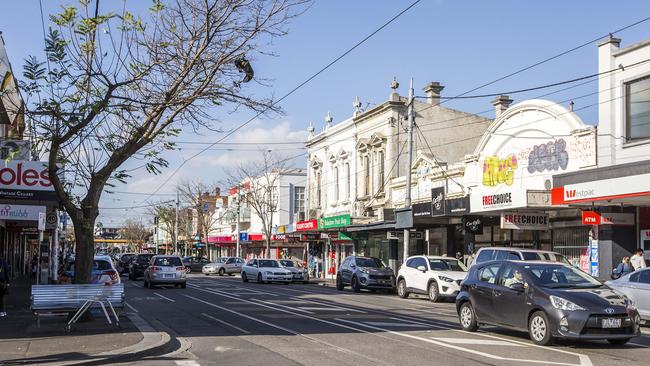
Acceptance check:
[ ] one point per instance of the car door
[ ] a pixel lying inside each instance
(482, 291)
(201, 262)
(239, 263)
(640, 291)
(251, 270)
(420, 278)
(346, 270)
(509, 304)
(230, 265)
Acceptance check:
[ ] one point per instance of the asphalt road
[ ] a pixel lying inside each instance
(222, 321)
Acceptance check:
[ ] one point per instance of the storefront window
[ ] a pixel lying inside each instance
(572, 242)
(637, 109)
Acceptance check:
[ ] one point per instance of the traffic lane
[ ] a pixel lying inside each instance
(450, 342)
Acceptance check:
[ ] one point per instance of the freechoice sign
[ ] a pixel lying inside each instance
(524, 221)
(21, 212)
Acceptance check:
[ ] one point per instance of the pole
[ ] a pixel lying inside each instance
(176, 246)
(238, 254)
(407, 200)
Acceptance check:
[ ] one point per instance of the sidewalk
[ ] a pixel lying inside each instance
(21, 342)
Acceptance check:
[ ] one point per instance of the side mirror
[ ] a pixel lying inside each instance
(519, 287)
(353, 266)
(422, 268)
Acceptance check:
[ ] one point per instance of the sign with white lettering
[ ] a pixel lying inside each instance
(524, 221)
(21, 212)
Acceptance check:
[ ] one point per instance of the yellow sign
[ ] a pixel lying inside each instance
(497, 171)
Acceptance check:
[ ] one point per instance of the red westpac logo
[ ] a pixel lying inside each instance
(570, 193)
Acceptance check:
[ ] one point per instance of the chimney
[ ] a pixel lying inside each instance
(615, 42)
(217, 191)
(394, 96)
(433, 90)
(501, 103)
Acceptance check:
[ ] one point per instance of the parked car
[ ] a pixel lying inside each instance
(195, 264)
(505, 253)
(223, 266)
(549, 300)
(364, 273)
(300, 274)
(265, 270)
(138, 265)
(103, 271)
(123, 261)
(636, 286)
(165, 270)
(438, 277)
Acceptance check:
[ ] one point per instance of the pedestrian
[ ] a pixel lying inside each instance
(623, 268)
(4, 285)
(638, 260)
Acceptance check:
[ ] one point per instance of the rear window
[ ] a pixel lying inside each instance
(144, 258)
(98, 265)
(168, 262)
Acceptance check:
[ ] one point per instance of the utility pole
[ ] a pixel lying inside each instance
(176, 246)
(407, 200)
(237, 254)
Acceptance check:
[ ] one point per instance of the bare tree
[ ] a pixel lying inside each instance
(200, 199)
(135, 232)
(260, 184)
(120, 87)
(165, 214)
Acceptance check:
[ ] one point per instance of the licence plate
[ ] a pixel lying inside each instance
(611, 323)
(169, 276)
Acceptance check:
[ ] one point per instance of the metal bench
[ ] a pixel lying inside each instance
(76, 298)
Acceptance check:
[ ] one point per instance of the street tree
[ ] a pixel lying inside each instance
(201, 199)
(259, 185)
(165, 215)
(135, 232)
(118, 86)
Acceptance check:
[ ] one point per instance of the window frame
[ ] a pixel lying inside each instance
(627, 108)
(484, 268)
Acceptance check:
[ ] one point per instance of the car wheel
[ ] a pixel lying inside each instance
(467, 318)
(243, 277)
(147, 284)
(207, 274)
(401, 289)
(259, 277)
(434, 294)
(355, 285)
(619, 342)
(183, 285)
(222, 272)
(339, 283)
(539, 329)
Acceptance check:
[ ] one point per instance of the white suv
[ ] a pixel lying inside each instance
(438, 277)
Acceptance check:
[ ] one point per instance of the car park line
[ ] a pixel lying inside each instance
(164, 297)
(290, 331)
(458, 348)
(476, 342)
(285, 306)
(226, 323)
(131, 307)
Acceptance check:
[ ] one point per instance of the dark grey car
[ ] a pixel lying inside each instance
(549, 300)
(365, 273)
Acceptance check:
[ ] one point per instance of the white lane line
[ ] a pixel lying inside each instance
(290, 331)
(477, 342)
(316, 308)
(287, 307)
(236, 288)
(131, 307)
(333, 306)
(164, 297)
(226, 323)
(458, 348)
(187, 363)
(389, 324)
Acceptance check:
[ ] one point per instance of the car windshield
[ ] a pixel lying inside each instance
(286, 263)
(167, 262)
(558, 276)
(98, 265)
(221, 260)
(447, 265)
(269, 263)
(370, 262)
(144, 258)
(541, 256)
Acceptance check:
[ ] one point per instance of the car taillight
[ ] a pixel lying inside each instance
(113, 275)
(154, 269)
(180, 268)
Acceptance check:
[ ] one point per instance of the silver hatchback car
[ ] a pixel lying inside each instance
(165, 270)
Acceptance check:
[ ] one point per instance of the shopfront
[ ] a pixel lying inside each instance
(510, 176)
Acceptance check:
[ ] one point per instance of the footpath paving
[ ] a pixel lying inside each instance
(22, 342)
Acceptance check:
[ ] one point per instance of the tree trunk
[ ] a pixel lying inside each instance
(85, 248)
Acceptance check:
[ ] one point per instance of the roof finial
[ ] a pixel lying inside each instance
(357, 106)
(328, 120)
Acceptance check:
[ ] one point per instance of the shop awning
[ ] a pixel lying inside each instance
(382, 225)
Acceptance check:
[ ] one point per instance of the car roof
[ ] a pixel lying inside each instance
(165, 256)
(102, 257)
(519, 249)
(546, 263)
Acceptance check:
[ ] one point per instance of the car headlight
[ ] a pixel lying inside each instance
(364, 270)
(268, 273)
(445, 278)
(564, 304)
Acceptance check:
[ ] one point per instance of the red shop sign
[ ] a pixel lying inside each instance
(310, 225)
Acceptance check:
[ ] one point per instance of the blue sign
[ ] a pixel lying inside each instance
(243, 236)
(593, 249)
(206, 207)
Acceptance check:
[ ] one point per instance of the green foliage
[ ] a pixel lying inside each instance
(66, 18)
(156, 6)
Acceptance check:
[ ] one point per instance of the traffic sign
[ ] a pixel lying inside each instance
(243, 236)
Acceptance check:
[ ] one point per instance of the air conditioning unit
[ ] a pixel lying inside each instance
(313, 214)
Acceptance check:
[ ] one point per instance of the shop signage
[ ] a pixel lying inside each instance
(255, 237)
(334, 222)
(333, 236)
(309, 237)
(473, 224)
(457, 206)
(605, 189)
(220, 239)
(399, 234)
(524, 221)
(352, 236)
(499, 171)
(21, 212)
(309, 225)
(282, 229)
(607, 218)
(422, 209)
(593, 249)
(279, 237)
(26, 180)
(438, 201)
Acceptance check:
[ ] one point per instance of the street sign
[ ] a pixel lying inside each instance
(206, 207)
(243, 236)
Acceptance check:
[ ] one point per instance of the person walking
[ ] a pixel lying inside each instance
(4, 285)
(623, 268)
(638, 260)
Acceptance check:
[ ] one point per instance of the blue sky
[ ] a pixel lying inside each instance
(461, 44)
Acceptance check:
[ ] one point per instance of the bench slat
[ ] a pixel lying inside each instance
(71, 297)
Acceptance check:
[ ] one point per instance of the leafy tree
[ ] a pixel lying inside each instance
(135, 232)
(117, 86)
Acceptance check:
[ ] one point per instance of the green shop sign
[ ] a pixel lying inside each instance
(334, 222)
(352, 236)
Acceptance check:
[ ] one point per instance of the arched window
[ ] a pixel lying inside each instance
(366, 168)
(318, 187)
(347, 180)
(381, 173)
(336, 185)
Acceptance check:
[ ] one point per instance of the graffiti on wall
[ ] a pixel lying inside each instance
(550, 156)
(497, 171)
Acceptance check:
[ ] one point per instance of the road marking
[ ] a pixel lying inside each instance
(458, 348)
(477, 342)
(187, 363)
(257, 292)
(316, 308)
(287, 307)
(290, 331)
(226, 323)
(388, 324)
(164, 297)
(131, 307)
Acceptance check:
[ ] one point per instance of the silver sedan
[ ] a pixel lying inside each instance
(165, 270)
(636, 286)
